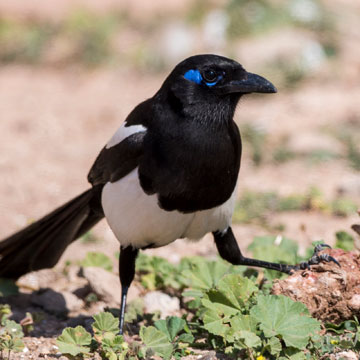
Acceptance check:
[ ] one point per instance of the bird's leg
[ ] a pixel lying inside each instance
(229, 250)
(126, 272)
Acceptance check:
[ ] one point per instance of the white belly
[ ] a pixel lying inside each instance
(137, 220)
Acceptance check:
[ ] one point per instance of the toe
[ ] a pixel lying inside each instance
(320, 247)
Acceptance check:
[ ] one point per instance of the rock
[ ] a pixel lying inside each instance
(346, 355)
(38, 279)
(158, 301)
(331, 293)
(211, 355)
(57, 303)
(104, 284)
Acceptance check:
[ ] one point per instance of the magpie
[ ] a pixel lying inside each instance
(169, 172)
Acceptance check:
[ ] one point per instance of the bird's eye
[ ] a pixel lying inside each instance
(210, 76)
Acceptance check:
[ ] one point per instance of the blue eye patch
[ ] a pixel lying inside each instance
(195, 76)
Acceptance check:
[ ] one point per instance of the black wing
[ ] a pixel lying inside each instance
(117, 161)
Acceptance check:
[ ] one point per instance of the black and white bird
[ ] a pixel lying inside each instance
(169, 172)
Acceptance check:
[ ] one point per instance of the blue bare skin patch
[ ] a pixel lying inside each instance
(195, 76)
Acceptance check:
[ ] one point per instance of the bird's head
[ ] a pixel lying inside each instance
(211, 79)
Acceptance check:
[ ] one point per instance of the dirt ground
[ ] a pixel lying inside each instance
(54, 121)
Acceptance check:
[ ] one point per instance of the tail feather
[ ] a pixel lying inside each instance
(41, 244)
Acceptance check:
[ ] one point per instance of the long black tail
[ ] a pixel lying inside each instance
(41, 244)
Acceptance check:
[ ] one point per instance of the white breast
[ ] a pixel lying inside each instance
(136, 218)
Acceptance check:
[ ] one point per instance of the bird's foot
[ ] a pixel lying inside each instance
(315, 259)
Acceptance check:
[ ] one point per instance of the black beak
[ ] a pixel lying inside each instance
(251, 83)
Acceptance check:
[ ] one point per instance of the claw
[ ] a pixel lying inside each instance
(320, 247)
(328, 258)
(315, 259)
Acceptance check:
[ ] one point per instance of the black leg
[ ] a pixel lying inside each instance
(126, 272)
(229, 250)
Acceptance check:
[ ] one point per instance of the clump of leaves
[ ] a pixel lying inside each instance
(344, 241)
(106, 341)
(97, 259)
(238, 317)
(157, 273)
(11, 333)
(340, 337)
(169, 338)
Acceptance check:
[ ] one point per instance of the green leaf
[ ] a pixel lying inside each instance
(214, 321)
(281, 316)
(193, 293)
(171, 326)
(294, 354)
(231, 295)
(5, 313)
(8, 287)
(98, 260)
(186, 338)
(156, 341)
(247, 340)
(12, 344)
(227, 300)
(74, 341)
(117, 345)
(13, 329)
(243, 322)
(110, 355)
(205, 274)
(237, 289)
(105, 322)
(273, 345)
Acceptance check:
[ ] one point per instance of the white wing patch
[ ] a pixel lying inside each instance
(122, 133)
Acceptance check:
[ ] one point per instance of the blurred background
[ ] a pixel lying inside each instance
(71, 71)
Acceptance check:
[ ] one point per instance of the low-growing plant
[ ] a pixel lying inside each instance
(97, 259)
(168, 338)
(11, 333)
(105, 341)
(229, 309)
(256, 206)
